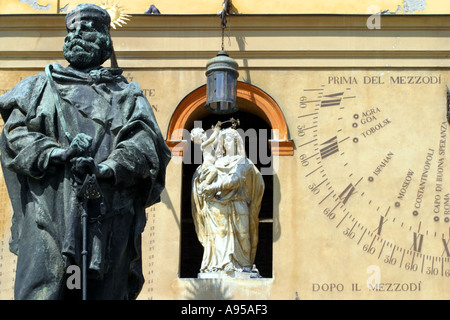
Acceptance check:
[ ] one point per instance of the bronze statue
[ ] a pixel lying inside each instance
(67, 127)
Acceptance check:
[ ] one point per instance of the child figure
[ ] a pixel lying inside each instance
(208, 171)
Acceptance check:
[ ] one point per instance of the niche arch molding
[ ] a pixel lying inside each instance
(250, 99)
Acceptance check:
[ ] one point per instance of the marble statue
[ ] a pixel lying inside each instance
(227, 190)
(62, 126)
(207, 146)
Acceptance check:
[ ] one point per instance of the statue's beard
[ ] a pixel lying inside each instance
(83, 54)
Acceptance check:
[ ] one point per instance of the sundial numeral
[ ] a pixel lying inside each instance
(331, 147)
(382, 222)
(417, 242)
(380, 225)
(446, 248)
(348, 191)
(335, 100)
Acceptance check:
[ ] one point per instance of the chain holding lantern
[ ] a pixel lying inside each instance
(222, 74)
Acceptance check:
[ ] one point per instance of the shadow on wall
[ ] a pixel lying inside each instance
(208, 289)
(165, 198)
(276, 207)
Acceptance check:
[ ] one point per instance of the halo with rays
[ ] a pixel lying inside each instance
(116, 12)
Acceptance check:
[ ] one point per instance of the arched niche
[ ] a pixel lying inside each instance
(250, 99)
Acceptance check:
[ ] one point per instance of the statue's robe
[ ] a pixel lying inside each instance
(227, 222)
(46, 225)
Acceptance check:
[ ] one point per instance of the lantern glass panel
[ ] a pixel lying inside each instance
(220, 85)
(231, 86)
(210, 87)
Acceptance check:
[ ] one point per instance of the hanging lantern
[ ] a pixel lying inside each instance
(222, 74)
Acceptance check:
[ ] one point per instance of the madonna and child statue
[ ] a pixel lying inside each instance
(227, 190)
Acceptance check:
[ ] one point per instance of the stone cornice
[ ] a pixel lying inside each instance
(255, 41)
(241, 22)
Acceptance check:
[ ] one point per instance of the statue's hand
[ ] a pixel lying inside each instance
(103, 171)
(212, 188)
(82, 166)
(78, 147)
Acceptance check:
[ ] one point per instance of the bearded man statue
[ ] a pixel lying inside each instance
(60, 126)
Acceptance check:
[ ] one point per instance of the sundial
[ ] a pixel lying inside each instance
(375, 158)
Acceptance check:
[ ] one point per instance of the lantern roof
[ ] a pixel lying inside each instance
(222, 61)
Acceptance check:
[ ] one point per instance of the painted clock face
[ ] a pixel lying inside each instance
(375, 151)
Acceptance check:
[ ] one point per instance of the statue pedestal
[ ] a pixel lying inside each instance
(228, 275)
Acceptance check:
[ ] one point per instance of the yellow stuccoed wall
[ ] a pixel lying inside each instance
(240, 6)
(283, 53)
